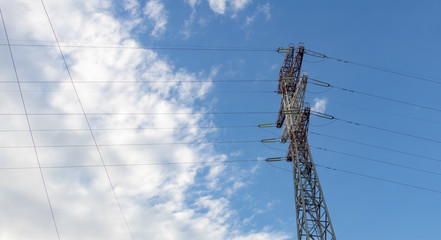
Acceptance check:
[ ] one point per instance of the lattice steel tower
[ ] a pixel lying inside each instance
(313, 221)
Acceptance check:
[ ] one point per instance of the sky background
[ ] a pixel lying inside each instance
(381, 178)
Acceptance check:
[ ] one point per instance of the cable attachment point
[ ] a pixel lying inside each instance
(285, 50)
(319, 83)
(291, 111)
(274, 159)
(322, 115)
(269, 140)
(266, 125)
(315, 54)
(288, 80)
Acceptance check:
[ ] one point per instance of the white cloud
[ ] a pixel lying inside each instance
(132, 6)
(155, 11)
(158, 200)
(319, 105)
(261, 9)
(186, 30)
(239, 4)
(193, 3)
(220, 6)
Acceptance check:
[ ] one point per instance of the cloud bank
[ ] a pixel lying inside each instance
(159, 201)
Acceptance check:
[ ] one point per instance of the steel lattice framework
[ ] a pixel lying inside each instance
(313, 221)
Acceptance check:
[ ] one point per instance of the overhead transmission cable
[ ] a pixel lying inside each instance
(377, 161)
(143, 81)
(379, 179)
(135, 144)
(87, 121)
(134, 92)
(389, 130)
(134, 164)
(383, 69)
(319, 114)
(137, 113)
(325, 84)
(229, 49)
(383, 112)
(367, 176)
(130, 129)
(268, 160)
(376, 146)
(30, 128)
(330, 117)
(312, 81)
(172, 48)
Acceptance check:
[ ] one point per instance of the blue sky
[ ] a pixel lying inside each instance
(166, 197)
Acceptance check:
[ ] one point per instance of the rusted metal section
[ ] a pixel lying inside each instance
(286, 69)
(293, 105)
(298, 137)
(289, 76)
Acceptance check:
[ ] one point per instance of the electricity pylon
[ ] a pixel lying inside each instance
(312, 216)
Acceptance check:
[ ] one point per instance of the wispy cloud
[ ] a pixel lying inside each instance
(239, 4)
(319, 104)
(229, 8)
(132, 6)
(186, 30)
(193, 3)
(265, 10)
(220, 6)
(155, 11)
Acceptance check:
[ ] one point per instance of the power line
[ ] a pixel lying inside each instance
(136, 113)
(319, 114)
(224, 113)
(389, 130)
(130, 129)
(133, 164)
(324, 84)
(132, 144)
(387, 98)
(330, 117)
(315, 82)
(370, 177)
(378, 161)
(377, 146)
(30, 128)
(383, 69)
(215, 162)
(145, 81)
(380, 179)
(171, 48)
(87, 121)
(384, 112)
(134, 92)
(229, 49)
